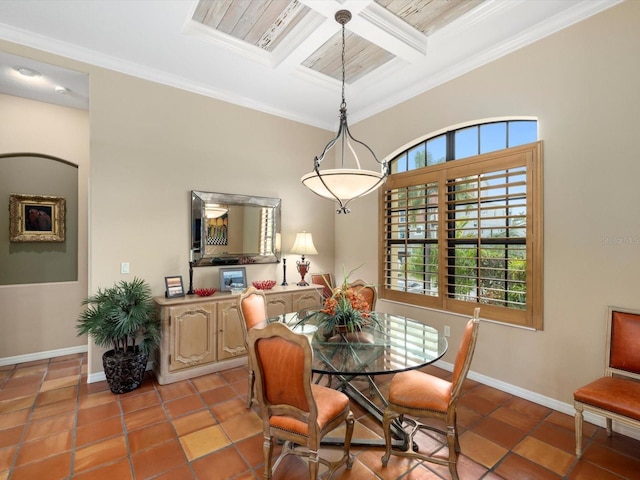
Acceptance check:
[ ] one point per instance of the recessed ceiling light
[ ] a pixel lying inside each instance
(27, 72)
(62, 90)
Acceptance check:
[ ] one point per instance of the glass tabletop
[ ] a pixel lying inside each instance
(397, 344)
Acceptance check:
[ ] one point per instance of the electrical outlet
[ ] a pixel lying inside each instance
(447, 331)
(124, 268)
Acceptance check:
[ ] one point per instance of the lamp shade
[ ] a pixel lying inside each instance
(303, 245)
(342, 183)
(214, 211)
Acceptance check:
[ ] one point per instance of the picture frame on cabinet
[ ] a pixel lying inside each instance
(232, 278)
(36, 218)
(174, 286)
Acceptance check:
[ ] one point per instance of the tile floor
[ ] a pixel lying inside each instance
(53, 425)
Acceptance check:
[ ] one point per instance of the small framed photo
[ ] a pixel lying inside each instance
(36, 218)
(174, 287)
(233, 277)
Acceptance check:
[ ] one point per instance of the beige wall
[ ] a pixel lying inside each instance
(151, 145)
(41, 317)
(582, 85)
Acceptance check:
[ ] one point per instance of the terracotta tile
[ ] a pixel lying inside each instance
(14, 405)
(61, 382)
(515, 419)
(138, 402)
(6, 457)
(611, 460)
(13, 393)
(156, 460)
(180, 473)
(203, 442)
(90, 415)
(99, 430)
(588, 471)
(100, 397)
(55, 408)
(53, 444)
(42, 428)
(492, 394)
(467, 417)
(193, 422)
(546, 455)
(235, 374)
(57, 467)
(11, 436)
(150, 436)
(527, 408)
(146, 416)
(243, 426)
(176, 390)
(100, 453)
(558, 437)
(478, 404)
(251, 450)
(226, 410)
(498, 432)
(120, 470)
(396, 467)
(68, 371)
(480, 449)
(621, 443)
(208, 382)
(35, 369)
(517, 467)
(225, 463)
(14, 419)
(219, 395)
(184, 405)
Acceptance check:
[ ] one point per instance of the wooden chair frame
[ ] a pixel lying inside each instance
(625, 379)
(251, 294)
(372, 297)
(305, 445)
(395, 412)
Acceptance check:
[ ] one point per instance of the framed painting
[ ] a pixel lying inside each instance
(233, 278)
(174, 286)
(36, 218)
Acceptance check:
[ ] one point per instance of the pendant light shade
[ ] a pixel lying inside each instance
(344, 184)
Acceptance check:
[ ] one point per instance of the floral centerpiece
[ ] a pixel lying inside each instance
(345, 311)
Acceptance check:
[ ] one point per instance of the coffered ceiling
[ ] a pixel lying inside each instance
(281, 56)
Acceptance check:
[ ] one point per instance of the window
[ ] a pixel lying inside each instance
(462, 223)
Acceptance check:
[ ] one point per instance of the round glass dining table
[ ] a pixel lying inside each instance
(396, 344)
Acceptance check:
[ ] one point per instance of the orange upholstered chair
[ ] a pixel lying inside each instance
(616, 396)
(252, 306)
(424, 396)
(326, 280)
(367, 290)
(294, 409)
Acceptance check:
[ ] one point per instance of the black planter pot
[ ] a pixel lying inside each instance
(124, 370)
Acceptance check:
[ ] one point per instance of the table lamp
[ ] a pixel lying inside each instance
(303, 245)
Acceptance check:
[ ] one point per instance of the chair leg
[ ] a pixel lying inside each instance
(313, 464)
(252, 381)
(347, 440)
(388, 417)
(578, 407)
(609, 427)
(267, 448)
(452, 437)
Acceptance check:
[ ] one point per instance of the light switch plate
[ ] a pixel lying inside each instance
(124, 267)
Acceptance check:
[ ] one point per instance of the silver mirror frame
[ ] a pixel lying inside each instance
(198, 255)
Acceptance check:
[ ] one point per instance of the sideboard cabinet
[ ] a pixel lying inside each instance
(203, 334)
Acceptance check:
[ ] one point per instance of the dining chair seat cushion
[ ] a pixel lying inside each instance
(612, 394)
(420, 391)
(331, 404)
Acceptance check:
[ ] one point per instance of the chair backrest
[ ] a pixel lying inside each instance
(252, 305)
(282, 364)
(465, 353)
(623, 342)
(367, 290)
(326, 280)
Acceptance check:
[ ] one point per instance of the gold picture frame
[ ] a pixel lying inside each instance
(36, 218)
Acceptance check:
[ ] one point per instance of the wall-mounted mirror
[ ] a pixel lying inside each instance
(229, 229)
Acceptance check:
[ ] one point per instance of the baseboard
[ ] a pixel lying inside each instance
(548, 402)
(30, 357)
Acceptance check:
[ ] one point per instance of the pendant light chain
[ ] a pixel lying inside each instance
(344, 102)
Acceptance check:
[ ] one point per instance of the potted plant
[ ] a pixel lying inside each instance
(344, 312)
(124, 318)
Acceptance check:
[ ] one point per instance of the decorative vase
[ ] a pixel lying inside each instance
(124, 370)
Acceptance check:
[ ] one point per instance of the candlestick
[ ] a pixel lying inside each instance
(191, 264)
(284, 272)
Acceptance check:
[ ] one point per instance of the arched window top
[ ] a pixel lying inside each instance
(465, 141)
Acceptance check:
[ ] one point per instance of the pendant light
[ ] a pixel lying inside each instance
(344, 184)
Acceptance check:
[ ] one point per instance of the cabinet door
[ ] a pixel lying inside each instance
(230, 331)
(192, 335)
(278, 304)
(309, 299)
